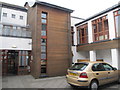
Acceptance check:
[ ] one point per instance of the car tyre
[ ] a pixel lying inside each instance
(93, 85)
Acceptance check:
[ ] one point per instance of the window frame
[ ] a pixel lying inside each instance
(100, 35)
(83, 38)
(115, 13)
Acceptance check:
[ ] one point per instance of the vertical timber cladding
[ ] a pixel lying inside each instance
(58, 49)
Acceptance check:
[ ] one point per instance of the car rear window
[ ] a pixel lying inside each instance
(79, 66)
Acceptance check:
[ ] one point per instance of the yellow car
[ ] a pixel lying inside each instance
(91, 74)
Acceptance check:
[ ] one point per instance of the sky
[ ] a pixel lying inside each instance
(82, 8)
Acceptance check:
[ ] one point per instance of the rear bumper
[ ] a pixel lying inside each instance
(77, 82)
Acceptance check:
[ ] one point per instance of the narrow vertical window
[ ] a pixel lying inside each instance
(43, 42)
(83, 34)
(117, 22)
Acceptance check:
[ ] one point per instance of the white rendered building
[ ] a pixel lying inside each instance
(15, 39)
(98, 37)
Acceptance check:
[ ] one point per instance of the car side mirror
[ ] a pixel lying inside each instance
(114, 69)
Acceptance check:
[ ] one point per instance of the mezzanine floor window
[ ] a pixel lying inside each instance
(100, 29)
(117, 22)
(82, 34)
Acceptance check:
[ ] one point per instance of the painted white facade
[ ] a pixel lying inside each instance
(13, 31)
(10, 43)
(111, 56)
(80, 54)
(13, 21)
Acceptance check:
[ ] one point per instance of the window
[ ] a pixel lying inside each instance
(43, 55)
(44, 15)
(44, 27)
(13, 15)
(4, 14)
(79, 66)
(98, 67)
(83, 34)
(117, 22)
(72, 32)
(107, 67)
(43, 41)
(100, 28)
(21, 17)
(43, 48)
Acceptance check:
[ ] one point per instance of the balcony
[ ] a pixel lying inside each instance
(15, 32)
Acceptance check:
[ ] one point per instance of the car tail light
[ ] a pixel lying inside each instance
(83, 75)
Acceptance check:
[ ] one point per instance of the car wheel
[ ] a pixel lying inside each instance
(94, 85)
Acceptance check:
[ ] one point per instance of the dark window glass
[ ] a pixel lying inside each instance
(5, 14)
(98, 67)
(119, 12)
(44, 27)
(43, 41)
(107, 67)
(79, 66)
(13, 15)
(95, 28)
(100, 26)
(21, 17)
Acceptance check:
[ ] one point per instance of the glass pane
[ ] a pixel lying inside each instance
(100, 26)
(119, 12)
(43, 20)
(44, 15)
(44, 27)
(43, 62)
(43, 48)
(43, 41)
(117, 22)
(43, 56)
(43, 33)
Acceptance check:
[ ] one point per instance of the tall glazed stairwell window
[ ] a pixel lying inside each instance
(117, 22)
(43, 42)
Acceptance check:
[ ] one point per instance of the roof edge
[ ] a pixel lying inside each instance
(98, 14)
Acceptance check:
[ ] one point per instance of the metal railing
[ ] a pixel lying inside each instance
(15, 32)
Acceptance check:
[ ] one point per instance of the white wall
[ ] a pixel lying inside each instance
(105, 55)
(15, 43)
(14, 21)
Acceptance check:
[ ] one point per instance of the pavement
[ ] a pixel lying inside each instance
(27, 81)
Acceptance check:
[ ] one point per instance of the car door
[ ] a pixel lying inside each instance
(100, 73)
(112, 74)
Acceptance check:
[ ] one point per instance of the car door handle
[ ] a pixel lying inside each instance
(97, 73)
(108, 72)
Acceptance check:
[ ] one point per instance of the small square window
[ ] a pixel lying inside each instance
(5, 14)
(21, 17)
(44, 15)
(13, 15)
(44, 21)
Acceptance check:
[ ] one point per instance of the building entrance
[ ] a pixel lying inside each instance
(15, 62)
(12, 62)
